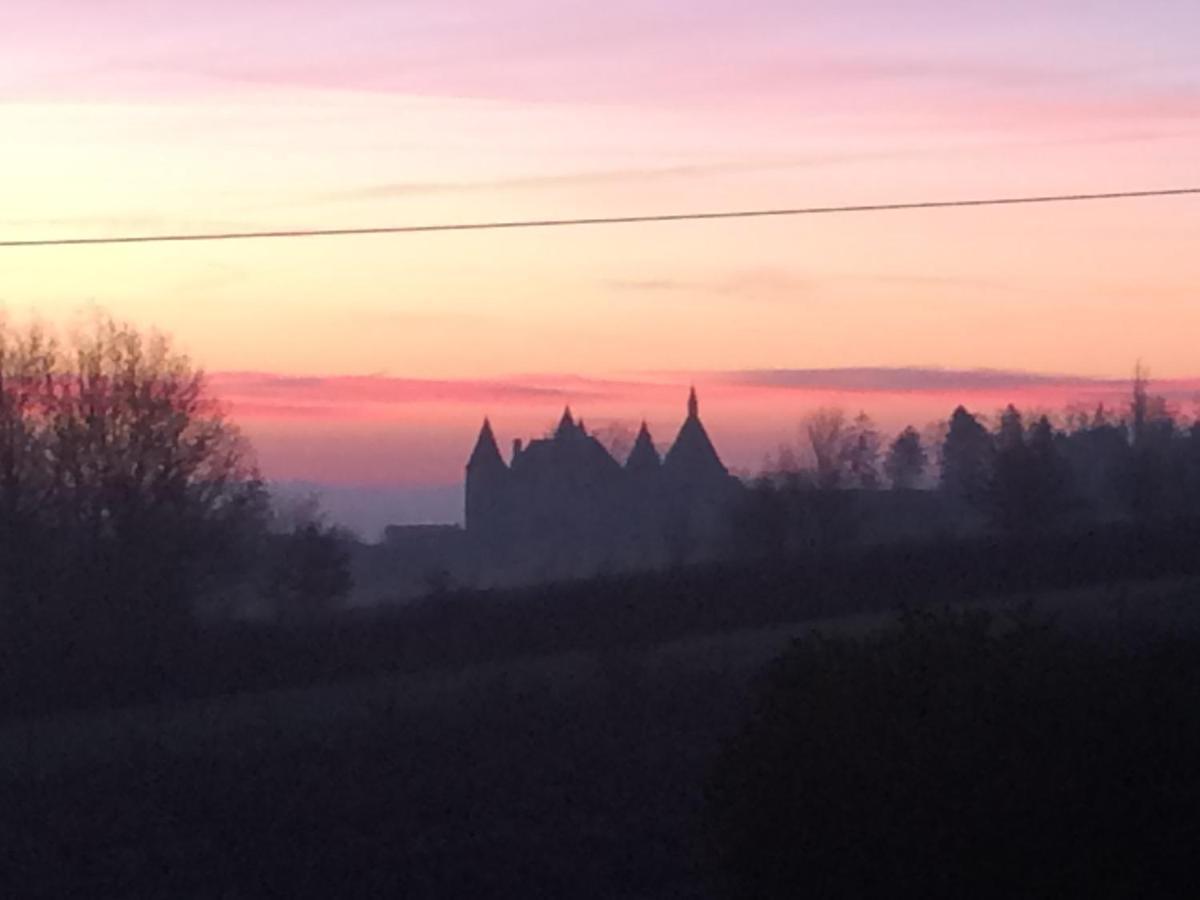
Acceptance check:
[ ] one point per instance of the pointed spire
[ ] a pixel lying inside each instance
(486, 453)
(693, 455)
(643, 456)
(566, 425)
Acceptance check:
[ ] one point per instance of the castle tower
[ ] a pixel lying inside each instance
(487, 483)
(693, 459)
(697, 490)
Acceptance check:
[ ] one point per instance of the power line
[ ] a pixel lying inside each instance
(596, 220)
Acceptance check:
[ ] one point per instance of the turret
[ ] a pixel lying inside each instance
(643, 457)
(693, 458)
(486, 454)
(567, 427)
(487, 480)
(566, 424)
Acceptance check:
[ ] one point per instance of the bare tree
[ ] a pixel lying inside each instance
(28, 362)
(826, 430)
(860, 454)
(140, 495)
(617, 438)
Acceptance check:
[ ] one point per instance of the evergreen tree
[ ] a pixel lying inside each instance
(1012, 486)
(906, 460)
(967, 457)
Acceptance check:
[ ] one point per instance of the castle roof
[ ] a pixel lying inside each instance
(486, 453)
(566, 425)
(643, 456)
(693, 455)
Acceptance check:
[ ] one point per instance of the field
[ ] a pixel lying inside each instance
(572, 774)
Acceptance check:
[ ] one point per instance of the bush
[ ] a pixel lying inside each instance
(310, 571)
(957, 756)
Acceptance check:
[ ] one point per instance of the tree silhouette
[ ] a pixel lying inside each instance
(1030, 475)
(1151, 474)
(906, 460)
(967, 456)
(618, 438)
(131, 494)
(860, 454)
(311, 571)
(1012, 486)
(826, 431)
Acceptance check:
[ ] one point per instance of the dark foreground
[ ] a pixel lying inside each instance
(519, 788)
(595, 758)
(947, 757)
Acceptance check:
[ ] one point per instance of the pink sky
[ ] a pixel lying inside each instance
(400, 431)
(134, 116)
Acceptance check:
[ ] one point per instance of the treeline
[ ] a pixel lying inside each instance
(128, 502)
(1020, 473)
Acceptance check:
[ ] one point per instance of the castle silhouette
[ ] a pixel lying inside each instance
(565, 500)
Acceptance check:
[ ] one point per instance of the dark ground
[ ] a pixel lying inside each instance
(527, 783)
(516, 789)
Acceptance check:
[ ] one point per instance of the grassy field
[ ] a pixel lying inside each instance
(576, 774)
(216, 725)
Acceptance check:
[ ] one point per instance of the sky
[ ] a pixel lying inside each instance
(372, 360)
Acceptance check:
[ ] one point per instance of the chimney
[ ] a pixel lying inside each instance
(517, 446)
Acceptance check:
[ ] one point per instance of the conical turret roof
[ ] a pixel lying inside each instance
(566, 425)
(693, 455)
(643, 456)
(486, 452)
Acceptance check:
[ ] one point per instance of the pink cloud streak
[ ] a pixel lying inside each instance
(262, 395)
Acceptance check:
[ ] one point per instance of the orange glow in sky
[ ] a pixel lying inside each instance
(126, 118)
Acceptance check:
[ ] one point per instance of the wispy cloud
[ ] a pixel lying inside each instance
(387, 190)
(133, 221)
(271, 395)
(903, 378)
(644, 285)
(932, 379)
(929, 281)
(747, 284)
(264, 395)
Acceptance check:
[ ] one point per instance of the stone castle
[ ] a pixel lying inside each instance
(564, 499)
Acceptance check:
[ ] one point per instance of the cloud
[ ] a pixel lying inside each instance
(979, 89)
(933, 379)
(376, 429)
(755, 284)
(269, 395)
(265, 395)
(643, 285)
(141, 222)
(907, 379)
(930, 281)
(388, 190)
